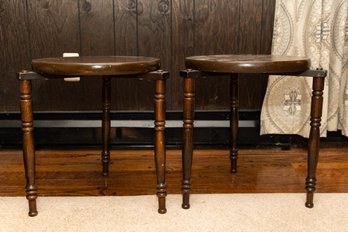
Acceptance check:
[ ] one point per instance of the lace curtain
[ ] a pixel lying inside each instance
(317, 29)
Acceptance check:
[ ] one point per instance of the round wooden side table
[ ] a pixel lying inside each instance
(105, 67)
(233, 65)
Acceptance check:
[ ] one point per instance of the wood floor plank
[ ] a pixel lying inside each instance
(132, 172)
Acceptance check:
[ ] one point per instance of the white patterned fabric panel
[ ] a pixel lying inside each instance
(317, 29)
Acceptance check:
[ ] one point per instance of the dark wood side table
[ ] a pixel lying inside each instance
(105, 67)
(233, 65)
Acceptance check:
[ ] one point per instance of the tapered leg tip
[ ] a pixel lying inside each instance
(185, 206)
(309, 205)
(234, 170)
(32, 214)
(162, 211)
(105, 174)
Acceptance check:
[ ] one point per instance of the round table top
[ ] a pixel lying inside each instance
(95, 65)
(248, 63)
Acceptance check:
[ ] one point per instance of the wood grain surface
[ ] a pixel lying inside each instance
(14, 51)
(132, 172)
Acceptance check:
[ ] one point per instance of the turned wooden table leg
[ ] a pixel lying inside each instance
(106, 124)
(28, 144)
(160, 149)
(187, 147)
(234, 120)
(314, 138)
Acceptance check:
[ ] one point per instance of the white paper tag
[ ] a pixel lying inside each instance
(71, 79)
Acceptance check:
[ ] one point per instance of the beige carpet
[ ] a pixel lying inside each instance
(213, 212)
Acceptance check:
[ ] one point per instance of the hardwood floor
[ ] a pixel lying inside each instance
(78, 172)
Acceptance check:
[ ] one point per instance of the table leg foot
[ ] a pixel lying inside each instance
(186, 199)
(162, 203)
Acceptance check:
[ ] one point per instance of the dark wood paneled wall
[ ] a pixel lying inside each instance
(168, 29)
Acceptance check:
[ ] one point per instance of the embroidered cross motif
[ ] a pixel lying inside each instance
(292, 102)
